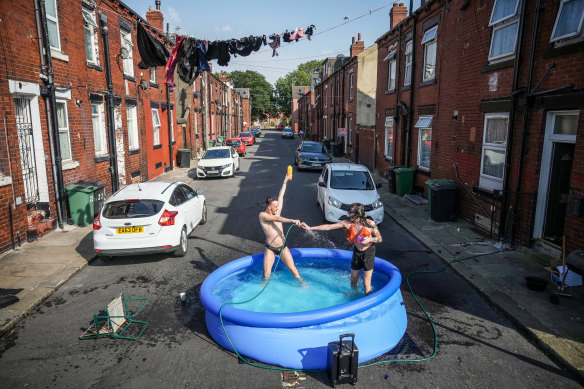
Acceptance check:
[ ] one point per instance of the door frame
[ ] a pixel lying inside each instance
(545, 172)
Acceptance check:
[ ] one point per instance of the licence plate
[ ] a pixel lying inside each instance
(129, 230)
(213, 171)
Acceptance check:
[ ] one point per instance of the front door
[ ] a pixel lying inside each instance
(559, 187)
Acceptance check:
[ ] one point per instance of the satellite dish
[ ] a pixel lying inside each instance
(124, 53)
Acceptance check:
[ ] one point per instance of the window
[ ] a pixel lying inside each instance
(391, 76)
(153, 75)
(350, 130)
(429, 42)
(505, 23)
(408, 64)
(155, 126)
(569, 20)
(351, 86)
(389, 137)
(91, 37)
(133, 143)
(424, 126)
(98, 121)
(52, 24)
(63, 123)
(494, 150)
(127, 52)
(171, 125)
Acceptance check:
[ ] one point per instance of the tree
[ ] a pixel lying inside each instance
(260, 91)
(301, 76)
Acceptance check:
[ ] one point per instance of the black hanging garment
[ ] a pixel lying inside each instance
(152, 52)
(310, 31)
(286, 37)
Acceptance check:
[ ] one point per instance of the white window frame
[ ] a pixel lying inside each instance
(153, 75)
(486, 181)
(424, 123)
(389, 124)
(54, 19)
(430, 39)
(351, 130)
(504, 22)
(408, 62)
(99, 132)
(90, 24)
(351, 84)
(578, 32)
(171, 125)
(155, 127)
(325, 96)
(132, 122)
(128, 63)
(65, 131)
(391, 75)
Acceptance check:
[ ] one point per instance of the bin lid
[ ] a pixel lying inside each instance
(84, 188)
(440, 181)
(443, 186)
(404, 169)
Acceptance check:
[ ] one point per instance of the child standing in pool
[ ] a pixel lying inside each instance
(271, 223)
(361, 232)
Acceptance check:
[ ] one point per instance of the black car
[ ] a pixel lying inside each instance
(312, 155)
(256, 131)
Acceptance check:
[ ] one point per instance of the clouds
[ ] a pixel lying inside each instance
(224, 28)
(173, 15)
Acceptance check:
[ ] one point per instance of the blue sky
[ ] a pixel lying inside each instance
(234, 19)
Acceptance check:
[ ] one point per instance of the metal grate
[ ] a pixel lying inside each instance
(26, 145)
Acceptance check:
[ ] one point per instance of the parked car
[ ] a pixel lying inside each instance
(342, 184)
(280, 127)
(247, 138)
(312, 155)
(256, 131)
(288, 132)
(149, 217)
(238, 145)
(221, 161)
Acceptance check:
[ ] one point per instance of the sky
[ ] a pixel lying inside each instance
(336, 21)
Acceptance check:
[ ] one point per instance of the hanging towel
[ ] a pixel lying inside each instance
(172, 60)
(299, 34)
(152, 52)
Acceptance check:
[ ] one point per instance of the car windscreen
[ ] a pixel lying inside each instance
(127, 209)
(234, 143)
(351, 180)
(247, 134)
(312, 148)
(214, 154)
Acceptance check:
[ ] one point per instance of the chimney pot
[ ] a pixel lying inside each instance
(157, 2)
(353, 40)
(359, 37)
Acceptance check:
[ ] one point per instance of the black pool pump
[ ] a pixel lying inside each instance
(343, 360)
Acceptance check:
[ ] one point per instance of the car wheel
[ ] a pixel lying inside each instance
(204, 214)
(183, 245)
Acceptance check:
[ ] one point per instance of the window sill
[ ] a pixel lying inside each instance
(388, 92)
(498, 64)
(59, 55)
(564, 47)
(423, 171)
(69, 165)
(431, 81)
(129, 78)
(5, 180)
(387, 159)
(101, 158)
(154, 85)
(173, 142)
(134, 151)
(94, 66)
(406, 87)
(156, 147)
(487, 192)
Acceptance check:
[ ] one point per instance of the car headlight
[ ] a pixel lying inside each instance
(224, 166)
(377, 204)
(334, 202)
(302, 159)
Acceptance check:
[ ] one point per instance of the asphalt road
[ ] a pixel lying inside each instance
(477, 347)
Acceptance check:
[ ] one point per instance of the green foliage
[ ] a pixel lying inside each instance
(260, 92)
(301, 76)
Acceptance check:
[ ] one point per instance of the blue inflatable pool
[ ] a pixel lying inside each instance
(299, 340)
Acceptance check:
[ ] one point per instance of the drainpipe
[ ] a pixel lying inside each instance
(524, 131)
(204, 108)
(508, 157)
(408, 138)
(109, 101)
(169, 120)
(48, 94)
(397, 90)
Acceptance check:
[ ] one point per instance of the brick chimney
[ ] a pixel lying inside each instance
(223, 76)
(155, 17)
(397, 14)
(357, 47)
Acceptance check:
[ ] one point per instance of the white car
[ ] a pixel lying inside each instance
(150, 217)
(342, 184)
(222, 161)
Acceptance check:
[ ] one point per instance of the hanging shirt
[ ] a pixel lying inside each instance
(172, 60)
(310, 31)
(275, 43)
(152, 52)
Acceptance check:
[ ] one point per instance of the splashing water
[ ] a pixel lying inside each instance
(328, 285)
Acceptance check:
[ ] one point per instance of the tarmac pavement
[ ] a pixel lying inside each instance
(31, 273)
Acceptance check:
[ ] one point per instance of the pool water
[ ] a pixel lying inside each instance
(326, 285)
